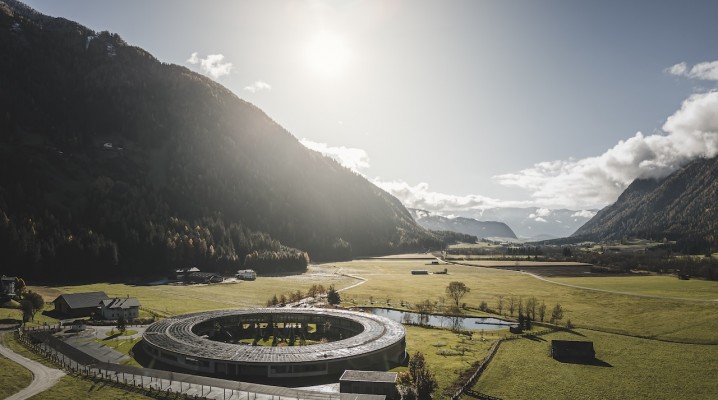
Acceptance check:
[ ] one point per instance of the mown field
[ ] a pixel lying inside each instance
(652, 285)
(628, 368)
(390, 281)
(445, 352)
(666, 319)
(178, 299)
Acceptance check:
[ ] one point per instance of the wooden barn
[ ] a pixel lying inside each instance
(572, 350)
(79, 304)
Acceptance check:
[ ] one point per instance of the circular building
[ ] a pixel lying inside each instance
(304, 342)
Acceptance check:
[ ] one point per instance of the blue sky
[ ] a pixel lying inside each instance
(457, 105)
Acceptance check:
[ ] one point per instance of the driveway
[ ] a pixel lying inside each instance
(43, 377)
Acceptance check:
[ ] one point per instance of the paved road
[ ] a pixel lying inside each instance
(43, 377)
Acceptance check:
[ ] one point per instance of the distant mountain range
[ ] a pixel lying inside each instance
(114, 163)
(529, 224)
(682, 206)
(469, 226)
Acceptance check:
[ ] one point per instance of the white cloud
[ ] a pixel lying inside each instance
(352, 158)
(594, 182)
(540, 219)
(706, 70)
(583, 214)
(211, 66)
(258, 86)
(420, 196)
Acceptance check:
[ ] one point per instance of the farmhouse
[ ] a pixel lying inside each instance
(246, 274)
(183, 272)
(573, 350)
(203, 277)
(128, 308)
(8, 286)
(79, 304)
(369, 382)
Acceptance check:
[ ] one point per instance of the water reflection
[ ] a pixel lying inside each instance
(444, 321)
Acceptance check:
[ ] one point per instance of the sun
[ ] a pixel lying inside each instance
(327, 55)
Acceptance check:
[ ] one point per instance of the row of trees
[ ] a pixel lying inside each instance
(315, 290)
(530, 309)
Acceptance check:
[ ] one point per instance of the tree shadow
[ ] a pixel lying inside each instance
(534, 338)
(571, 331)
(53, 314)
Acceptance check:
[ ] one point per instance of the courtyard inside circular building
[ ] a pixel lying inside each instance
(276, 342)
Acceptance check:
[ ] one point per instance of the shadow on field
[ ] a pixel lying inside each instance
(534, 338)
(571, 331)
(595, 362)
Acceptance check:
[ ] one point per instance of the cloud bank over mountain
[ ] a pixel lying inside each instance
(578, 184)
(593, 182)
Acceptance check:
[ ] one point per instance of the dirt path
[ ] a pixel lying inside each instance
(649, 296)
(361, 281)
(43, 377)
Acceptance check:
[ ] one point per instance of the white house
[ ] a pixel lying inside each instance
(127, 307)
(246, 274)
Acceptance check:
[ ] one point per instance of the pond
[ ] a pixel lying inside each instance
(445, 321)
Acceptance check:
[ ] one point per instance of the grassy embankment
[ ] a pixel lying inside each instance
(13, 376)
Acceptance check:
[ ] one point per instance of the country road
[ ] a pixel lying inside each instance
(43, 377)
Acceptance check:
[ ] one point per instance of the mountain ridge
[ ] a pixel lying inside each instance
(678, 207)
(469, 226)
(112, 158)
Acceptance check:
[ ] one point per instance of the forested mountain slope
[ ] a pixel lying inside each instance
(113, 163)
(682, 207)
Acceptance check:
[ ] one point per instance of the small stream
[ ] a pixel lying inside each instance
(445, 321)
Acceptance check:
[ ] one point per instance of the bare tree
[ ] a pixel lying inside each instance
(512, 305)
(531, 308)
(500, 304)
(556, 313)
(542, 311)
(456, 291)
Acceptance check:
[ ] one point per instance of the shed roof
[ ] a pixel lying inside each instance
(368, 376)
(83, 300)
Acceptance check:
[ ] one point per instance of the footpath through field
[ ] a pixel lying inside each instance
(650, 296)
(43, 377)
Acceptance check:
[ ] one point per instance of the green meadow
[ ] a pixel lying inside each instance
(640, 337)
(627, 368)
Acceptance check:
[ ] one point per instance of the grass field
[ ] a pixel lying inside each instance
(123, 346)
(445, 352)
(71, 387)
(634, 362)
(666, 319)
(631, 369)
(13, 376)
(653, 285)
(179, 299)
